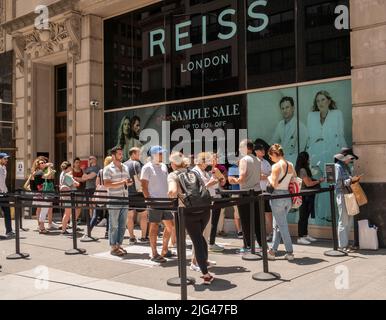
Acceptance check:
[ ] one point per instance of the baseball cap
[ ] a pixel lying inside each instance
(4, 155)
(349, 152)
(155, 150)
(342, 157)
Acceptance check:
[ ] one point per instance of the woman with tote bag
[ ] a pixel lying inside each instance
(345, 199)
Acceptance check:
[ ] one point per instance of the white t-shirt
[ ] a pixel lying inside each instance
(157, 175)
(266, 169)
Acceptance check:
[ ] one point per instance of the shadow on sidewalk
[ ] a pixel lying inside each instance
(306, 261)
(228, 270)
(217, 285)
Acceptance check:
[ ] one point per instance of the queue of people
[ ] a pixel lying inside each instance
(258, 169)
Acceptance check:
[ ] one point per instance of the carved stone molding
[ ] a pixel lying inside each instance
(73, 25)
(46, 41)
(2, 31)
(18, 44)
(62, 35)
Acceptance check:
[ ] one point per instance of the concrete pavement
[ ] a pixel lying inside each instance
(50, 274)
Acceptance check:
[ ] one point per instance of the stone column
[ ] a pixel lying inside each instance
(368, 58)
(89, 86)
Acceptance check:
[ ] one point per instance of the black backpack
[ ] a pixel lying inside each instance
(194, 193)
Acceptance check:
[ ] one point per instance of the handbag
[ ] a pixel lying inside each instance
(360, 195)
(48, 186)
(351, 204)
(100, 191)
(295, 186)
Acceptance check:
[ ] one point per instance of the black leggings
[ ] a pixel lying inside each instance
(305, 211)
(213, 231)
(195, 226)
(245, 218)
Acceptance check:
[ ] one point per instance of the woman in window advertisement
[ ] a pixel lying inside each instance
(325, 129)
(325, 139)
(128, 135)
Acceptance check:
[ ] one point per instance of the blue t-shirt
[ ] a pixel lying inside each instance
(233, 171)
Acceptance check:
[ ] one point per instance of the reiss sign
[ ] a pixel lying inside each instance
(157, 36)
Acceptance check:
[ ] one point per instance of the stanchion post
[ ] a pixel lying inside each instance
(335, 252)
(87, 237)
(18, 254)
(181, 252)
(21, 217)
(252, 256)
(265, 275)
(75, 249)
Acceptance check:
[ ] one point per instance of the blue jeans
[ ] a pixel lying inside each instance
(117, 225)
(7, 219)
(344, 222)
(280, 209)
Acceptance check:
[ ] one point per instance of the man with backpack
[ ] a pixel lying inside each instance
(154, 180)
(190, 189)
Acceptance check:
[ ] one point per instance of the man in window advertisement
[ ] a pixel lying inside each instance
(286, 132)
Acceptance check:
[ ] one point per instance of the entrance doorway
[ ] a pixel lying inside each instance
(60, 114)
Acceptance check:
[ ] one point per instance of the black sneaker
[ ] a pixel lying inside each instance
(10, 235)
(132, 241)
(145, 240)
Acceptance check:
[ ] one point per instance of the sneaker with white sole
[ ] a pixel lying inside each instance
(271, 255)
(103, 223)
(289, 256)
(311, 239)
(194, 267)
(215, 248)
(211, 263)
(304, 241)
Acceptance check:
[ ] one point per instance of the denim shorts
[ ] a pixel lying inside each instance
(156, 216)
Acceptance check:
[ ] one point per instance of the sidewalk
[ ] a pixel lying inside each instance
(97, 275)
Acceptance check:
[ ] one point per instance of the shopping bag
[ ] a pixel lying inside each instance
(351, 204)
(368, 237)
(295, 186)
(360, 195)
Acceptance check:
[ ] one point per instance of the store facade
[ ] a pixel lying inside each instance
(223, 66)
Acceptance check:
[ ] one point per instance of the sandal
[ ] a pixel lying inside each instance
(122, 250)
(159, 259)
(169, 254)
(208, 279)
(117, 252)
(43, 231)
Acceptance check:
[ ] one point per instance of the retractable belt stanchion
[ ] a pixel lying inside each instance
(18, 254)
(182, 279)
(21, 219)
(87, 237)
(265, 275)
(335, 252)
(252, 256)
(75, 249)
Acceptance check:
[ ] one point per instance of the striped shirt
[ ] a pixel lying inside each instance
(114, 174)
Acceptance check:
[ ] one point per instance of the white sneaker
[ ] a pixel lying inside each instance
(216, 248)
(103, 223)
(303, 240)
(211, 263)
(311, 239)
(289, 257)
(270, 255)
(194, 267)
